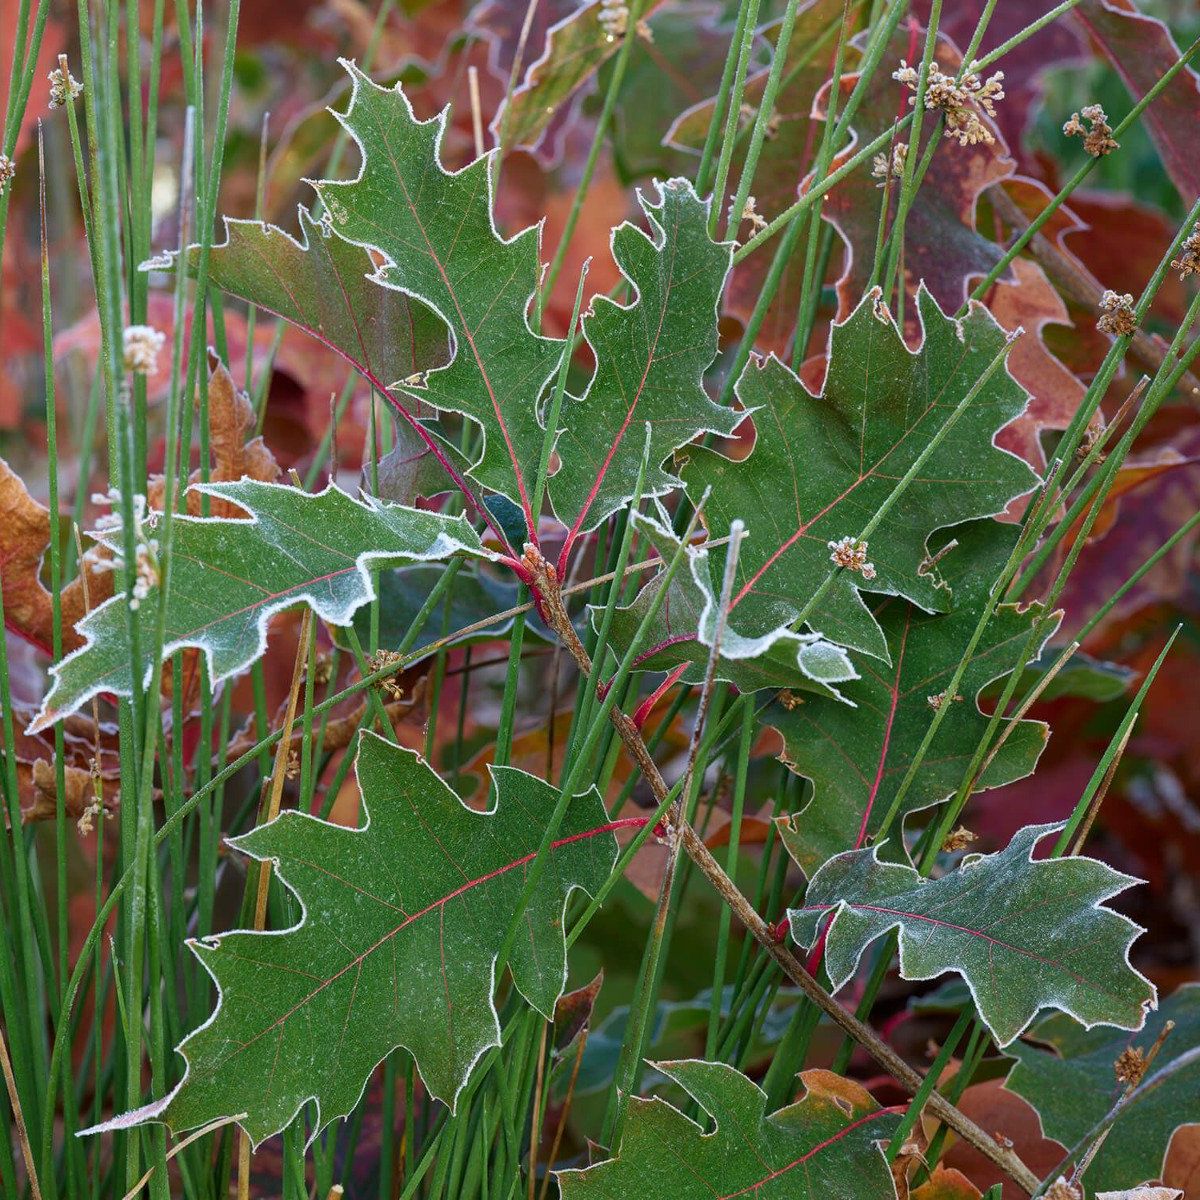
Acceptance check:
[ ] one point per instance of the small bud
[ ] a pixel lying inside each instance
(614, 18)
(960, 839)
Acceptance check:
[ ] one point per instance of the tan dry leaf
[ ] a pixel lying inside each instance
(230, 421)
(24, 542)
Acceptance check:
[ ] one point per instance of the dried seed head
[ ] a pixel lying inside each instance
(1097, 134)
(851, 553)
(614, 18)
(1188, 262)
(1131, 1066)
(64, 88)
(382, 659)
(142, 344)
(8, 171)
(960, 839)
(882, 167)
(1117, 315)
(1062, 1190)
(750, 213)
(790, 700)
(936, 702)
(961, 100)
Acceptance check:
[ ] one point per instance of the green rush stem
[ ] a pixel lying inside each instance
(1112, 753)
(724, 921)
(818, 190)
(1084, 171)
(762, 119)
(909, 1120)
(584, 754)
(620, 64)
(908, 181)
(747, 25)
(724, 92)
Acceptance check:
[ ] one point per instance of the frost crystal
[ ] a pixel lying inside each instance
(141, 344)
(960, 100)
(851, 553)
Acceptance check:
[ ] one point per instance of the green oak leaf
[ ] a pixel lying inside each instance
(436, 232)
(402, 922)
(229, 577)
(475, 597)
(651, 356)
(826, 1144)
(683, 631)
(857, 754)
(323, 285)
(823, 465)
(1073, 1085)
(1024, 934)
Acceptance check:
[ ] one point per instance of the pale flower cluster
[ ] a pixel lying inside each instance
(64, 88)
(962, 101)
(1117, 315)
(110, 529)
(1098, 139)
(141, 345)
(8, 170)
(882, 167)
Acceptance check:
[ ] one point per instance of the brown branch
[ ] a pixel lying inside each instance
(555, 613)
(1076, 284)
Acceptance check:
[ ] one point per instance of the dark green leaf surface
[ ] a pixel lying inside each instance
(229, 577)
(1025, 935)
(397, 944)
(435, 229)
(1073, 1085)
(323, 285)
(857, 754)
(825, 1145)
(823, 465)
(651, 356)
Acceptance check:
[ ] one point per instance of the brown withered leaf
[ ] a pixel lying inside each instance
(946, 1184)
(573, 1012)
(83, 744)
(1142, 50)
(1006, 1116)
(234, 455)
(1182, 1167)
(24, 543)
